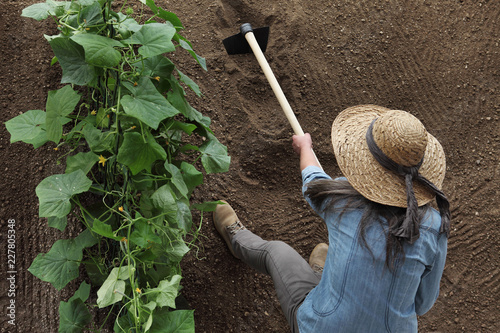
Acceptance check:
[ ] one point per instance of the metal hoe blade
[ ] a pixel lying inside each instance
(237, 44)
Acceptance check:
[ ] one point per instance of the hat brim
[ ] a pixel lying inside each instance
(365, 174)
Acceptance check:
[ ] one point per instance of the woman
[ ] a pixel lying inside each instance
(387, 246)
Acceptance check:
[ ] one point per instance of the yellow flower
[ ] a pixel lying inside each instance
(94, 112)
(135, 84)
(133, 127)
(138, 290)
(157, 78)
(120, 208)
(102, 160)
(124, 239)
(56, 149)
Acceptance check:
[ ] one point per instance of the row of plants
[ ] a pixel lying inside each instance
(133, 149)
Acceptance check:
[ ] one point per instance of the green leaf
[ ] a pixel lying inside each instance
(184, 218)
(55, 192)
(113, 288)
(92, 15)
(151, 4)
(96, 272)
(186, 45)
(71, 56)
(166, 292)
(164, 200)
(177, 179)
(26, 126)
(179, 321)
(104, 229)
(60, 265)
(147, 104)
(41, 11)
(57, 222)
(143, 234)
(176, 96)
(170, 17)
(177, 248)
(85, 239)
(156, 38)
(98, 140)
(192, 177)
(127, 25)
(82, 293)
(101, 117)
(81, 161)
(214, 157)
(151, 306)
(99, 50)
(60, 103)
(73, 316)
(138, 153)
(156, 66)
(190, 83)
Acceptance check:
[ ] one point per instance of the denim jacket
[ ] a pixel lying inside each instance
(357, 292)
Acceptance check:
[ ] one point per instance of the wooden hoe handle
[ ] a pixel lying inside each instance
(261, 59)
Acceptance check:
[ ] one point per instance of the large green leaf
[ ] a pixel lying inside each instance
(164, 200)
(190, 83)
(98, 140)
(155, 38)
(60, 103)
(186, 45)
(92, 15)
(40, 11)
(176, 248)
(184, 218)
(158, 66)
(166, 292)
(177, 179)
(99, 50)
(73, 316)
(143, 234)
(113, 288)
(81, 161)
(57, 222)
(176, 96)
(179, 321)
(83, 292)
(126, 25)
(55, 192)
(147, 104)
(139, 154)
(60, 265)
(214, 157)
(192, 177)
(71, 56)
(26, 126)
(104, 229)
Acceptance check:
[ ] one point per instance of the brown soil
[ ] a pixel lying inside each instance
(436, 59)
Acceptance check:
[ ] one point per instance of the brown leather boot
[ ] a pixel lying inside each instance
(318, 257)
(227, 223)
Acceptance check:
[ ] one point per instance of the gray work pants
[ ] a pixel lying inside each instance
(292, 276)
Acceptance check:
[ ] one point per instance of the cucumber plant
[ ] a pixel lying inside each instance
(134, 148)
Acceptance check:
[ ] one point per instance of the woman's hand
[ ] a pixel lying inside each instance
(301, 142)
(302, 145)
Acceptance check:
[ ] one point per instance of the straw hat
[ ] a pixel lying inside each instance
(402, 137)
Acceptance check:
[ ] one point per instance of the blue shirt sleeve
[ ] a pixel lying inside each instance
(428, 290)
(309, 174)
